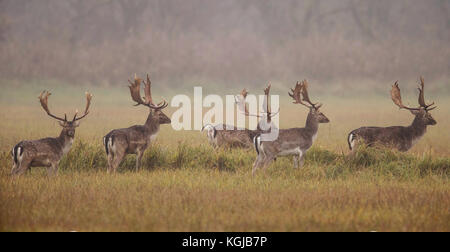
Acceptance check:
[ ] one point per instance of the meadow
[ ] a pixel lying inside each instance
(186, 185)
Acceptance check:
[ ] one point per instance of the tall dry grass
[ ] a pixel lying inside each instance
(185, 185)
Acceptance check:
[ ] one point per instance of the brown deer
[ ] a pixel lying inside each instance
(135, 139)
(398, 137)
(239, 137)
(47, 152)
(294, 141)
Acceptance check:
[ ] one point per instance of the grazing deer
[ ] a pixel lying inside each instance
(398, 137)
(47, 152)
(231, 137)
(135, 139)
(238, 137)
(294, 141)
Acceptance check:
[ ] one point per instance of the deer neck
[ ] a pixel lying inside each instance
(312, 125)
(151, 125)
(65, 141)
(418, 128)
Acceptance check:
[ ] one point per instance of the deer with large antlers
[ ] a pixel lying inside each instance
(398, 137)
(47, 152)
(294, 141)
(240, 137)
(135, 139)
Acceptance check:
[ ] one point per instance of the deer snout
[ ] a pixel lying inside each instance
(324, 119)
(163, 119)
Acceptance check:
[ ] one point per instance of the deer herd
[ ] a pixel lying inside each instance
(48, 152)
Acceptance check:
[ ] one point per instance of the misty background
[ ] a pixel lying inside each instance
(243, 43)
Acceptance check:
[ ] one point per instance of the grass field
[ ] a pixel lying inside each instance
(187, 186)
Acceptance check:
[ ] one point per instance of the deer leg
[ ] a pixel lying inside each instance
(110, 162)
(268, 160)
(301, 159)
(257, 163)
(53, 169)
(139, 155)
(295, 158)
(118, 157)
(14, 168)
(21, 168)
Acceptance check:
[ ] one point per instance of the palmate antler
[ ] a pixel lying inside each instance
(266, 104)
(421, 96)
(135, 92)
(300, 94)
(397, 99)
(43, 99)
(243, 105)
(240, 100)
(86, 110)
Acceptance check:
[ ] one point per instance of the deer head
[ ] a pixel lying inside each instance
(422, 111)
(300, 95)
(155, 110)
(68, 126)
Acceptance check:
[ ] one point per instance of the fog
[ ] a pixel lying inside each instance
(249, 42)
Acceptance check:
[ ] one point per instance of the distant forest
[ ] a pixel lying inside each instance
(241, 41)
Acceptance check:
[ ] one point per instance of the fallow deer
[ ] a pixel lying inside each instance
(399, 137)
(225, 136)
(294, 141)
(47, 152)
(135, 139)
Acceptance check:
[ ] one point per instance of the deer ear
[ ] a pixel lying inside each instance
(62, 124)
(76, 124)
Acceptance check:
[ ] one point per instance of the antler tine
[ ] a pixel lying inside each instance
(135, 91)
(296, 93)
(421, 95)
(267, 89)
(305, 94)
(160, 106)
(43, 99)
(86, 110)
(148, 91)
(244, 93)
(75, 116)
(266, 100)
(397, 98)
(246, 113)
(148, 96)
(242, 105)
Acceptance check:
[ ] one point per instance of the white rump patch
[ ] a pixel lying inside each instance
(351, 141)
(111, 146)
(210, 131)
(19, 154)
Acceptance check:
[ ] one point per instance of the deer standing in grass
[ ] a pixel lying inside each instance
(399, 137)
(47, 152)
(294, 141)
(239, 137)
(135, 139)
